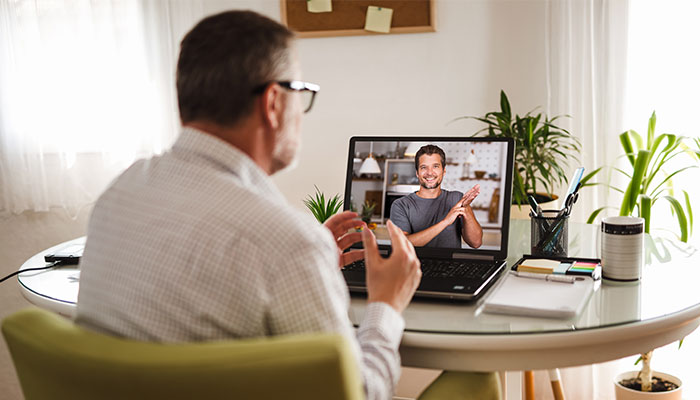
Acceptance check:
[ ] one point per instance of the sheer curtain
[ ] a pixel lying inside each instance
(86, 87)
(586, 48)
(610, 64)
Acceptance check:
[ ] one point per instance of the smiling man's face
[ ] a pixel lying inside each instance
(430, 171)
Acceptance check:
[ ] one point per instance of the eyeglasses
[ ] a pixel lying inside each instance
(306, 90)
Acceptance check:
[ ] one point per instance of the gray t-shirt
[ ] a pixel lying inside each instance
(414, 214)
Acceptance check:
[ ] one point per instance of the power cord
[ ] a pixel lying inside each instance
(48, 266)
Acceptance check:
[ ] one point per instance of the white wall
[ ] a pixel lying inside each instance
(411, 84)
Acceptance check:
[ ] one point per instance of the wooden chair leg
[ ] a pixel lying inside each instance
(529, 385)
(555, 380)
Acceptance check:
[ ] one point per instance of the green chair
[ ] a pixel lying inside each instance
(55, 359)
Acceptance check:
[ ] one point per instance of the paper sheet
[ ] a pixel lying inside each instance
(378, 19)
(539, 298)
(319, 6)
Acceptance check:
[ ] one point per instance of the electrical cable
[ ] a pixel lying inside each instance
(48, 266)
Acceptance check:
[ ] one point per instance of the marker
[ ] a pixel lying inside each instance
(546, 277)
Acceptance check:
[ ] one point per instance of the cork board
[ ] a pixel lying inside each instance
(348, 17)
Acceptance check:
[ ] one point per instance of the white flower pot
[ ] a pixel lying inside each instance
(623, 393)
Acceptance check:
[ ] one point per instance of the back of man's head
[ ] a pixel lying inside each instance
(429, 149)
(223, 59)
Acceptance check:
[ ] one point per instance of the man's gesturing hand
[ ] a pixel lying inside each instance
(391, 280)
(470, 195)
(339, 225)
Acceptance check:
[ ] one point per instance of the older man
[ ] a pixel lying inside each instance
(198, 244)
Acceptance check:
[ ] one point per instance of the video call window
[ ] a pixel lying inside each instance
(384, 171)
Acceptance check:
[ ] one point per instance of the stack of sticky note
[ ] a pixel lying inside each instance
(582, 268)
(538, 266)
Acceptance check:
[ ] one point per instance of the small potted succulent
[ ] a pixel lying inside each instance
(367, 212)
(321, 207)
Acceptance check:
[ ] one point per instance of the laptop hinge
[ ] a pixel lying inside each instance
(463, 256)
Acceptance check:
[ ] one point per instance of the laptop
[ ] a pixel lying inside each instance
(382, 171)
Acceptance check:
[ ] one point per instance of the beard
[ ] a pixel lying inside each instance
(424, 183)
(286, 150)
(284, 155)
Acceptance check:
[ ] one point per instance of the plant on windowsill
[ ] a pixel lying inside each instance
(542, 150)
(651, 177)
(321, 208)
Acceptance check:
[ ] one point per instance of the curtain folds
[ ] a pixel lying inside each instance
(586, 49)
(86, 87)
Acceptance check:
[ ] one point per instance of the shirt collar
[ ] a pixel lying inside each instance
(195, 144)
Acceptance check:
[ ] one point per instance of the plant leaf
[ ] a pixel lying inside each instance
(645, 211)
(627, 146)
(680, 217)
(594, 214)
(505, 105)
(690, 210)
(630, 198)
(650, 129)
(588, 177)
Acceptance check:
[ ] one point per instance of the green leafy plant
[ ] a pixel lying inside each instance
(321, 208)
(367, 211)
(542, 149)
(650, 180)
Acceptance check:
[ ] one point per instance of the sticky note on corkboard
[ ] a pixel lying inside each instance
(378, 19)
(319, 6)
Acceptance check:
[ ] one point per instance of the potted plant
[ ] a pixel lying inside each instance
(645, 384)
(366, 213)
(321, 208)
(651, 179)
(542, 150)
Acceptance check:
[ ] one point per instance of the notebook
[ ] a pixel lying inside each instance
(382, 171)
(539, 298)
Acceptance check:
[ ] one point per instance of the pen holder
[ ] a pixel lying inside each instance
(549, 234)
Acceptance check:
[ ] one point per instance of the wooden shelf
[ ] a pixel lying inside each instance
(479, 179)
(368, 179)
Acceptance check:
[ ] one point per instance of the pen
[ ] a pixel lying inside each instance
(533, 204)
(546, 277)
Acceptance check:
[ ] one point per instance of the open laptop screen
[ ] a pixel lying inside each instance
(382, 179)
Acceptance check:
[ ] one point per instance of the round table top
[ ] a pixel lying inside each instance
(668, 286)
(619, 319)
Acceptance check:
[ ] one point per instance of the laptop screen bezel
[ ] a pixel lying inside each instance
(443, 252)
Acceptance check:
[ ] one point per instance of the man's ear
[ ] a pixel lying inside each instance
(270, 104)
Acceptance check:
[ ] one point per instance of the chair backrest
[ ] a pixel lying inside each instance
(56, 359)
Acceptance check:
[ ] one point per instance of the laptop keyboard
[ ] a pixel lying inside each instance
(434, 268)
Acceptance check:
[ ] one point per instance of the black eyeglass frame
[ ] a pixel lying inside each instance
(298, 86)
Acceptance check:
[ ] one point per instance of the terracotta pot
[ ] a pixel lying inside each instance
(523, 211)
(623, 393)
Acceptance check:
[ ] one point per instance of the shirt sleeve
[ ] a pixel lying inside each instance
(399, 216)
(309, 295)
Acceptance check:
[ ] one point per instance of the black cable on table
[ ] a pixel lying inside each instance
(48, 266)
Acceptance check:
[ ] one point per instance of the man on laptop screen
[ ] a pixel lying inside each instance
(432, 216)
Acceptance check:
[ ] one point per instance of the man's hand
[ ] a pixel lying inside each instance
(391, 280)
(339, 225)
(454, 212)
(470, 195)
